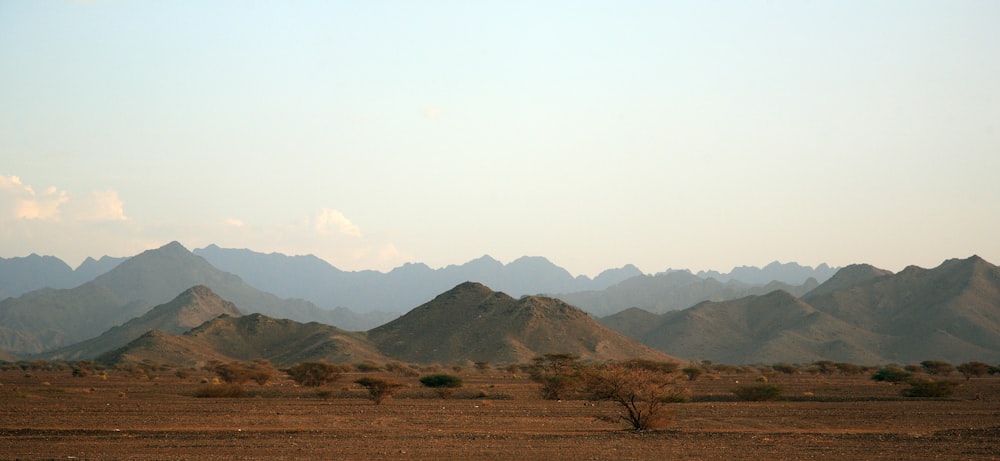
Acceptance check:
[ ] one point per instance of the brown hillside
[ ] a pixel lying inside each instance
(951, 312)
(473, 323)
(776, 327)
(189, 309)
(632, 322)
(250, 337)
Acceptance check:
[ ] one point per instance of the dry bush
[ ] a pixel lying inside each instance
(557, 373)
(929, 388)
(641, 391)
(378, 389)
(314, 374)
(758, 392)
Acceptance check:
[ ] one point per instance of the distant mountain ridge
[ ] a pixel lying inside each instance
(188, 310)
(46, 319)
(861, 315)
(411, 284)
(24, 274)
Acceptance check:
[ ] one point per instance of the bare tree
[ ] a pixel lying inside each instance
(378, 389)
(642, 391)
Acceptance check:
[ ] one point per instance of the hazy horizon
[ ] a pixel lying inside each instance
(688, 135)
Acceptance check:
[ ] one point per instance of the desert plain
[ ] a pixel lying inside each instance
(495, 415)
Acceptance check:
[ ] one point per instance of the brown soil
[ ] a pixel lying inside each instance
(52, 415)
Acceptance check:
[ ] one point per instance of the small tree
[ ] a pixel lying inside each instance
(974, 369)
(232, 372)
(378, 389)
(643, 392)
(314, 374)
(444, 385)
(557, 373)
(891, 374)
(929, 388)
(692, 373)
(937, 367)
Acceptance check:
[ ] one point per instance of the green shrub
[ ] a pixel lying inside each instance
(929, 388)
(444, 385)
(891, 374)
(378, 389)
(758, 392)
(974, 369)
(937, 367)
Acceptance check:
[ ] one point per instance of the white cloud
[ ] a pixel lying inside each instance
(235, 222)
(20, 201)
(104, 206)
(330, 220)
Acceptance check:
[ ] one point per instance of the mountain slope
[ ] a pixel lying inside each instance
(189, 309)
(48, 319)
(473, 323)
(668, 291)
(951, 312)
(253, 336)
(776, 327)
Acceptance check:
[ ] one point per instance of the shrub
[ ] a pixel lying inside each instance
(444, 385)
(758, 392)
(229, 390)
(557, 373)
(400, 369)
(642, 391)
(692, 373)
(367, 366)
(929, 388)
(378, 389)
(785, 368)
(937, 367)
(314, 374)
(891, 374)
(974, 369)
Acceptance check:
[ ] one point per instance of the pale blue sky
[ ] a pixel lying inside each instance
(698, 135)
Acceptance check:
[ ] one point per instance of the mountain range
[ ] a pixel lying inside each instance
(47, 319)
(372, 297)
(163, 301)
(469, 323)
(861, 315)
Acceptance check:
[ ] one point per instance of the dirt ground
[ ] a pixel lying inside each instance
(53, 415)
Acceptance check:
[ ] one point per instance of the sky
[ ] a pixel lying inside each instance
(698, 135)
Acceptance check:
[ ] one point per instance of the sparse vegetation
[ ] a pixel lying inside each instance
(974, 369)
(929, 388)
(937, 367)
(378, 389)
(641, 388)
(891, 374)
(557, 373)
(444, 385)
(692, 373)
(758, 392)
(258, 371)
(314, 374)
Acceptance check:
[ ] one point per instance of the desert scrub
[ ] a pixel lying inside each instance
(758, 392)
(227, 390)
(929, 388)
(444, 385)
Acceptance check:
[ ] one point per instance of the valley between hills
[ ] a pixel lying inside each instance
(174, 305)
